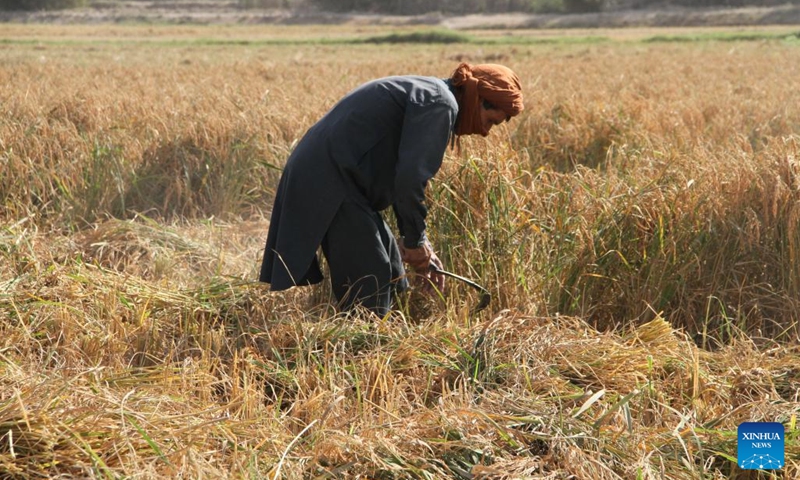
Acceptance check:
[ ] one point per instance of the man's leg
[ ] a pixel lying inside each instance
(363, 259)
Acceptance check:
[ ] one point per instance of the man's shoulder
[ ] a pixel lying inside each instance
(417, 89)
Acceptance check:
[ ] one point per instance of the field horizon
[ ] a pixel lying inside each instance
(637, 227)
(225, 12)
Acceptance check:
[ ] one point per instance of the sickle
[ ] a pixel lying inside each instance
(486, 297)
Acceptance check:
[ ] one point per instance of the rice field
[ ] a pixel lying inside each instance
(638, 227)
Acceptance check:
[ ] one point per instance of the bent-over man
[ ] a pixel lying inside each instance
(376, 148)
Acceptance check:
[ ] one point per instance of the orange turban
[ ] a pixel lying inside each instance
(494, 83)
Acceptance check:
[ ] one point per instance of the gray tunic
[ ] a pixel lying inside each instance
(377, 147)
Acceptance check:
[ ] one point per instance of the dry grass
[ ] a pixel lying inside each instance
(637, 227)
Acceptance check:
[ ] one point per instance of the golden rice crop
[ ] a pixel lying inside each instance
(637, 226)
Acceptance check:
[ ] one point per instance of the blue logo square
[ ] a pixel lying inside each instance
(761, 446)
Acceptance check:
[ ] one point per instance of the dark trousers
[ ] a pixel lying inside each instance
(363, 259)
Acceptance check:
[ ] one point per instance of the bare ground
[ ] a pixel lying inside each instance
(227, 12)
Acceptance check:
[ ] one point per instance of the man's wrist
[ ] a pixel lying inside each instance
(411, 242)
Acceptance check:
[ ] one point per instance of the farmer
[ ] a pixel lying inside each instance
(376, 148)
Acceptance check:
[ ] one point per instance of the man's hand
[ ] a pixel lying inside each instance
(420, 259)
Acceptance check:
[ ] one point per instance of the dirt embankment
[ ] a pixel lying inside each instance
(228, 12)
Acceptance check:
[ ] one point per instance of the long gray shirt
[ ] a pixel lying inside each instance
(378, 146)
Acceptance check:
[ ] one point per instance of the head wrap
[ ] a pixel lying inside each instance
(496, 84)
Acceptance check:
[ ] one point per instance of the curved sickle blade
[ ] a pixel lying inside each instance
(486, 297)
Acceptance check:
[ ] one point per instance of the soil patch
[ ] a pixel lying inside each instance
(228, 12)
